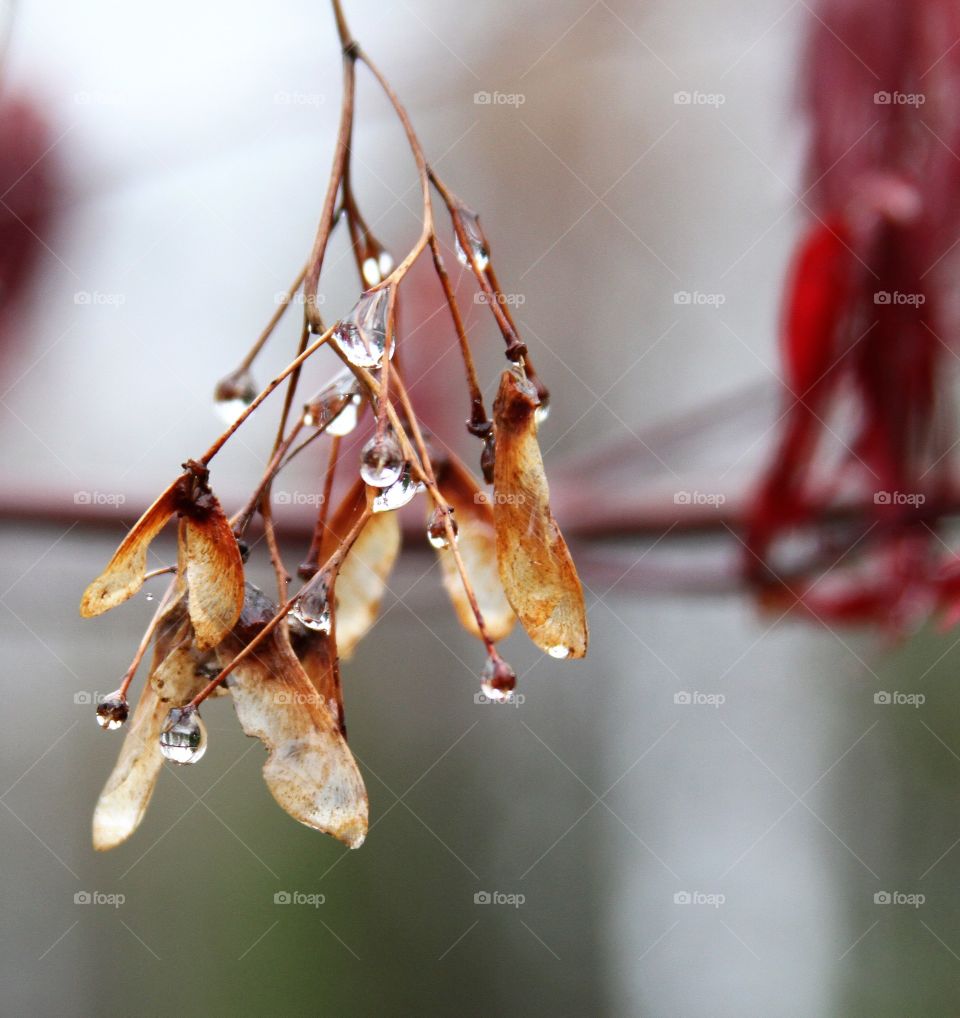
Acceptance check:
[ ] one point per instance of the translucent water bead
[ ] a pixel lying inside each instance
(183, 739)
(335, 408)
(362, 334)
(381, 461)
(234, 394)
(470, 222)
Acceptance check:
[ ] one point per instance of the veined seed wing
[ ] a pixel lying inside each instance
(478, 550)
(127, 793)
(536, 569)
(310, 770)
(210, 562)
(317, 652)
(362, 578)
(124, 574)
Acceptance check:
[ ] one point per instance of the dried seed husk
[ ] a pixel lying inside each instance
(478, 549)
(310, 770)
(537, 572)
(362, 578)
(174, 680)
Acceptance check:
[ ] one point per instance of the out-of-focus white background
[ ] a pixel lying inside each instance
(194, 142)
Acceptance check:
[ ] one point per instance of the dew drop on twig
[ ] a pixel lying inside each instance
(362, 334)
(183, 739)
(398, 494)
(381, 461)
(470, 222)
(112, 711)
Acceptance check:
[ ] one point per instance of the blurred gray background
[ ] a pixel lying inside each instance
(674, 858)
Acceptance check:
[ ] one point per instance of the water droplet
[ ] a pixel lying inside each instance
(234, 394)
(148, 596)
(312, 607)
(470, 222)
(385, 264)
(335, 407)
(542, 412)
(183, 739)
(371, 271)
(112, 711)
(437, 531)
(559, 651)
(497, 680)
(398, 494)
(362, 334)
(381, 461)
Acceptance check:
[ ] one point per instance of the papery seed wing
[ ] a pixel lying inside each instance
(317, 653)
(310, 770)
(127, 793)
(536, 569)
(210, 560)
(478, 549)
(124, 574)
(362, 578)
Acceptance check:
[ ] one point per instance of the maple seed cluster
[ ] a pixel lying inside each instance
(501, 558)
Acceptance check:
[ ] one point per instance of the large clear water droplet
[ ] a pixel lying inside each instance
(477, 243)
(497, 680)
(183, 739)
(312, 607)
(559, 651)
(362, 334)
(381, 461)
(335, 407)
(398, 494)
(437, 531)
(234, 394)
(112, 711)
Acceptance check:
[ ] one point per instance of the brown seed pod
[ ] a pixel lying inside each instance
(209, 558)
(127, 793)
(362, 577)
(478, 549)
(536, 569)
(310, 770)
